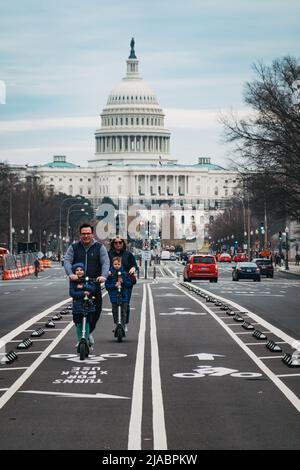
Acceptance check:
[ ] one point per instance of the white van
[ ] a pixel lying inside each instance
(165, 255)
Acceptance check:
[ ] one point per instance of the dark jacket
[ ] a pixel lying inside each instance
(128, 260)
(110, 285)
(95, 259)
(78, 293)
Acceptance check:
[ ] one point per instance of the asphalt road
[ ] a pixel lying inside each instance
(187, 376)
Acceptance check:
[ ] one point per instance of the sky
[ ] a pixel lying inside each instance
(60, 59)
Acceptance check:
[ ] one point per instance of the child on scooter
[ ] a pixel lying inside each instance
(119, 277)
(78, 290)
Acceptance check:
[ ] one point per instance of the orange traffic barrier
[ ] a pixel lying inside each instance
(5, 275)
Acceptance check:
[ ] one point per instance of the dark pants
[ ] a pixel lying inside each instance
(77, 318)
(97, 314)
(124, 306)
(128, 305)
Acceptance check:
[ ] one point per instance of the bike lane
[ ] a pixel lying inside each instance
(67, 403)
(214, 395)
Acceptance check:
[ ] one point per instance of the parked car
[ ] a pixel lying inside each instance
(165, 255)
(265, 265)
(201, 267)
(246, 270)
(225, 258)
(240, 257)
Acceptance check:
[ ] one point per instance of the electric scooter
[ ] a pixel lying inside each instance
(119, 330)
(83, 346)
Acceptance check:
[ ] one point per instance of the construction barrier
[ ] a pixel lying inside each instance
(18, 266)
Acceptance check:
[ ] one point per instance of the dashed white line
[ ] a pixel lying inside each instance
(159, 427)
(19, 382)
(288, 393)
(135, 424)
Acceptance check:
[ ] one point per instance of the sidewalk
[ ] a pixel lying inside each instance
(292, 268)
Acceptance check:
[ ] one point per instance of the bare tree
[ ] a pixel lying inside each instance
(267, 142)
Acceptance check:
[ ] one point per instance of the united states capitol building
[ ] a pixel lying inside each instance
(133, 163)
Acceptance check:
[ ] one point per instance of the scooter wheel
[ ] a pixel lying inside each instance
(119, 333)
(83, 350)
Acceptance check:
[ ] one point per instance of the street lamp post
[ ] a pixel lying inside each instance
(68, 214)
(60, 217)
(10, 221)
(287, 248)
(69, 227)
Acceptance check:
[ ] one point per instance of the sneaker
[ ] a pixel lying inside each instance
(91, 340)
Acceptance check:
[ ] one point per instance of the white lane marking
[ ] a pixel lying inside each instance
(28, 352)
(135, 424)
(255, 344)
(159, 427)
(19, 382)
(270, 357)
(7, 338)
(288, 339)
(294, 400)
(35, 340)
(13, 368)
(162, 273)
(73, 395)
(288, 375)
(169, 271)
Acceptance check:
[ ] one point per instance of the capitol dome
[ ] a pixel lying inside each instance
(132, 123)
(132, 91)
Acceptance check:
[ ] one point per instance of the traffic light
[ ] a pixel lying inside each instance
(280, 236)
(262, 227)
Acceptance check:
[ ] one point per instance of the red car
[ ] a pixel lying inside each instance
(201, 267)
(224, 258)
(240, 257)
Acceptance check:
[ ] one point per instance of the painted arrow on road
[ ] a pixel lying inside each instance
(205, 356)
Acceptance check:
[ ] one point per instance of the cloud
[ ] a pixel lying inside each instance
(175, 118)
(52, 123)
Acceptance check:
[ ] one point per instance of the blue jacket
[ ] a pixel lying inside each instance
(78, 295)
(110, 285)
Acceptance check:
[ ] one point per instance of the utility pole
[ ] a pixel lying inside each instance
(248, 230)
(266, 227)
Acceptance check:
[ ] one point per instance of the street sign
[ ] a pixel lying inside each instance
(146, 255)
